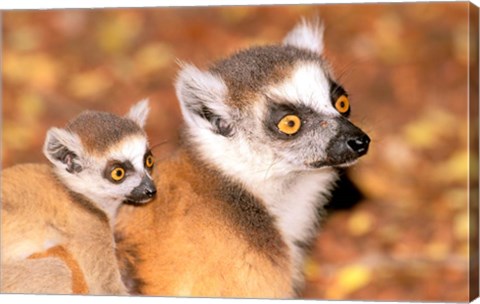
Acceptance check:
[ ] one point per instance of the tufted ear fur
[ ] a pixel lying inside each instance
(306, 35)
(202, 100)
(63, 148)
(139, 112)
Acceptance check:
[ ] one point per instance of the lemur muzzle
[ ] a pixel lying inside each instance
(143, 192)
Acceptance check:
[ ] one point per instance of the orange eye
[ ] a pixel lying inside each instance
(342, 104)
(149, 161)
(117, 174)
(290, 124)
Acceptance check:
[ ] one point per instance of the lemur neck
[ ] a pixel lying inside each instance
(110, 208)
(292, 198)
(295, 200)
(95, 203)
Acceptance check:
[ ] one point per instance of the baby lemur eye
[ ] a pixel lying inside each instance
(289, 124)
(342, 104)
(117, 174)
(149, 161)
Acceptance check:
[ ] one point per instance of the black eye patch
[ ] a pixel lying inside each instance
(112, 164)
(336, 91)
(278, 110)
(147, 154)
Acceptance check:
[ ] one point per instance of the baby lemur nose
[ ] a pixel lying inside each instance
(143, 192)
(359, 144)
(150, 192)
(149, 188)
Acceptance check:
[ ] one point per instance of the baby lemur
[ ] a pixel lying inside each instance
(99, 160)
(241, 201)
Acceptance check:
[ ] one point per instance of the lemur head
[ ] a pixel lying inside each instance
(104, 156)
(277, 108)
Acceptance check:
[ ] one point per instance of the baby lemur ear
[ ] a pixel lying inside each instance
(63, 148)
(306, 35)
(139, 112)
(202, 97)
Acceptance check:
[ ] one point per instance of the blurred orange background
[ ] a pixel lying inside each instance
(404, 65)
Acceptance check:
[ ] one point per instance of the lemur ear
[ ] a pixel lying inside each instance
(62, 149)
(202, 95)
(139, 112)
(306, 35)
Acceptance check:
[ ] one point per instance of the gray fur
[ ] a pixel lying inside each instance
(100, 130)
(250, 71)
(62, 149)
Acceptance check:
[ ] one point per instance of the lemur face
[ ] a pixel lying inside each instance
(104, 157)
(304, 120)
(276, 108)
(123, 173)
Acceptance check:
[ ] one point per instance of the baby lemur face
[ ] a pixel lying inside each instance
(277, 108)
(104, 156)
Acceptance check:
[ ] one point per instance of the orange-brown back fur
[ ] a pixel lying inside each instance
(193, 241)
(39, 213)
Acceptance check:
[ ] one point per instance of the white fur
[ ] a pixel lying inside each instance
(308, 84)
(139, 112)
(103, 193)
(194, 88)
(293, 200)
(306, 36)
(21, 250)
(63, 138)
(131, 148)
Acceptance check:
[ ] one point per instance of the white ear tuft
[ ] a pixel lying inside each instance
(306, 35)
(63, 149)
(139, 112)
(199, 91)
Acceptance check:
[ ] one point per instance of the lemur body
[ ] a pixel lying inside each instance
(99, 161)
(241, 201)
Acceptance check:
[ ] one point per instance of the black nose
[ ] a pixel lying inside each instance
(144, 192)
(150, 192)
(359, 144)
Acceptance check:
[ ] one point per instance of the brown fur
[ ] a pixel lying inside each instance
(248, 71)
(202, 236)
(34, 220)
(99, 131)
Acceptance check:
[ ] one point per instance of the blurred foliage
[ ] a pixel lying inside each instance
(404, 65)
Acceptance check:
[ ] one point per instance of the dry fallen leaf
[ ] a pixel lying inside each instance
(311, 269)
(89, 84)
(454, 169)
(116, 32)
(348, 279)
(37, 70)
(437, 250)
(360, 223)
(152, 58)
(461, 226)
(430, 128)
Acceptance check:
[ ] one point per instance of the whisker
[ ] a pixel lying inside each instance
(269, 167)
(160, 144)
